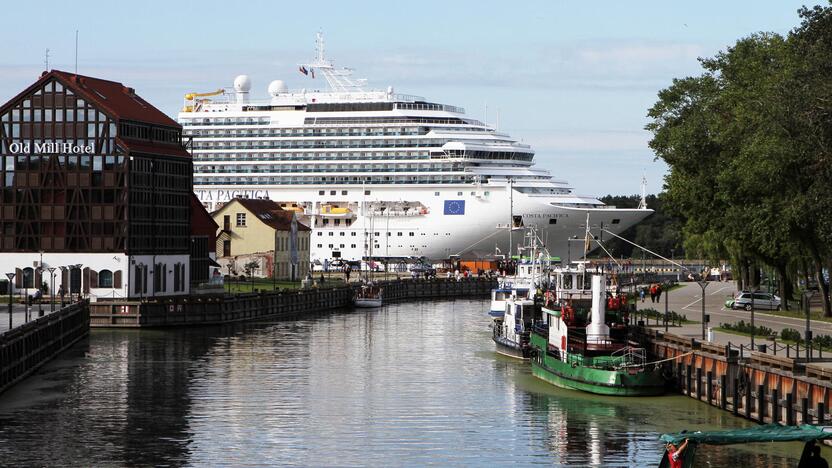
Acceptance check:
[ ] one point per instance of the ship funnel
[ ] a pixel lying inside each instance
(598, 331)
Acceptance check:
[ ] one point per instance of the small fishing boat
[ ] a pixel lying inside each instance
(511, 332)
(756, 434)
(369, 295)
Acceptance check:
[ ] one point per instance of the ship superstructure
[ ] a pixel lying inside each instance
(410, 176)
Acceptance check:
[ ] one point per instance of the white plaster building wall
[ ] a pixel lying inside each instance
(169, 261)
(95, 261)
(11, 261)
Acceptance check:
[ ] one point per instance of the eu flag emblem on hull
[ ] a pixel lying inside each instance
(454, 207)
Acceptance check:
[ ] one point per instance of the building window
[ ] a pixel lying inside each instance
(105, 279)
(343, 192)
(366, 192)
(28, 278)
(241, 219)
(321, 192)
(226, 248)
(459, 194)
(436, 194)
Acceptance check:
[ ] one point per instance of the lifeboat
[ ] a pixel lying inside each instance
(331, 211)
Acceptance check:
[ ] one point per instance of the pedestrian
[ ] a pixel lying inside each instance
(642, 293)
(653, 292)
(658, 293)
(347, 271)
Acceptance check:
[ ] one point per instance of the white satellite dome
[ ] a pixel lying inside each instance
(277, 87)
(242, 84)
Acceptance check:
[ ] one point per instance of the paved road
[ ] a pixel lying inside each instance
(19, 314)
(687, 300)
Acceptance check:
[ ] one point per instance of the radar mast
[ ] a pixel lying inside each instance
(339, 79)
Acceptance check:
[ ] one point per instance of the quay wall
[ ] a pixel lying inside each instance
(758, 386)
(25, 348)
(208, 310)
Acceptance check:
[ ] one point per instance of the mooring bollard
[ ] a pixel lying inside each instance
(804, 413)
(820, 415)
(789, 410)
(775, 406)
(736, 409)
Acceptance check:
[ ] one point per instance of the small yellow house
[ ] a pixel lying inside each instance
(260, 231)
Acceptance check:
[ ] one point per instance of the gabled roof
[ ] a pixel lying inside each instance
(270, 213)
(111, 97)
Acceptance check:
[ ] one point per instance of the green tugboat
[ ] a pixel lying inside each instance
(592, 355)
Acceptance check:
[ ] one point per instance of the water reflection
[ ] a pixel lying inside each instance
(410, 384)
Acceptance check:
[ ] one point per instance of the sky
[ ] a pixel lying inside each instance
(573, 79)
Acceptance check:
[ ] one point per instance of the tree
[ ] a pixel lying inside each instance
(748, 146)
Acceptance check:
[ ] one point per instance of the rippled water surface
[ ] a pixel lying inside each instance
(408, 385)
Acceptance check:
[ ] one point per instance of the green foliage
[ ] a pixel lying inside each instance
(748, 147)
(790, 334)
(654, 314)
(746, 328)
(661, 232)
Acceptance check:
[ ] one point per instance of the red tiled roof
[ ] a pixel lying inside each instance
(122, 102)
(271, 214)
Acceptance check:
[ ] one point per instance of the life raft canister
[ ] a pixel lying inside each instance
(563, 343)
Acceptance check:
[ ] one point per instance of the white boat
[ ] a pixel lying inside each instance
(532, 267)
(511, 332)
(439, 181)
(369, 296)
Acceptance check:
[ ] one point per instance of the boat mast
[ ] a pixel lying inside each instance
(510, 216)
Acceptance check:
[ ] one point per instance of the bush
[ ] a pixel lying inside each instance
(654, 314)
(790, 334)
(743, 327)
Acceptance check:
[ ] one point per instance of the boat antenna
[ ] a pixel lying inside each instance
(76, 51)
(642, 204)
(46, 59)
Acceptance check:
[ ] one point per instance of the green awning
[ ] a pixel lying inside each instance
(554, 312)
(765, 433)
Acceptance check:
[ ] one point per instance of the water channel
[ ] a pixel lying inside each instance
(408, 385)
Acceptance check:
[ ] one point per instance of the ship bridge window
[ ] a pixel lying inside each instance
(553, 221)
(616, 221)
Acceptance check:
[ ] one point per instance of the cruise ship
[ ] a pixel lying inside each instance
(376, 171)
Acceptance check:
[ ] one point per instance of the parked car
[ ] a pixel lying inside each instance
(762, 300)
(423, 269)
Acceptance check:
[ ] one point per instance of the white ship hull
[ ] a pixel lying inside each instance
(436, 235)
(420, 177)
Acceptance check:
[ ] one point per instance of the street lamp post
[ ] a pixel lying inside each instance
(63, 286)
(752, 319)
(52, 288)
(39, 288)
(703, 284)
(666, 313)
(10, 276)
(807, 295)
